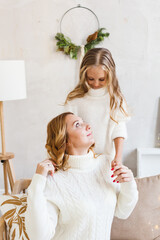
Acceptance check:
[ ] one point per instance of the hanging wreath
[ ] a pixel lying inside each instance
(65, 44)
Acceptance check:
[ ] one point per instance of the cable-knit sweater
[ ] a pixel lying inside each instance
(94, 108)
(79, 203)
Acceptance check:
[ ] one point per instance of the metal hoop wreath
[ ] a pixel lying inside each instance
(78, 6)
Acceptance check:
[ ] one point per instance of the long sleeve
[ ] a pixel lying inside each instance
(41, 214)
(127, 198)
(120, 129)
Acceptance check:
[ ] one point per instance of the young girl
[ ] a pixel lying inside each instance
(97, 99)
(79, 200)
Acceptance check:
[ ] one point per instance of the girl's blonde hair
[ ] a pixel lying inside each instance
(103, 57)
(57, 140)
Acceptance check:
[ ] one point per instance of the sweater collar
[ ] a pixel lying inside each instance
(82, 162)
(97, 92)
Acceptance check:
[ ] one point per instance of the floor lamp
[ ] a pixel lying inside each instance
(12, 87)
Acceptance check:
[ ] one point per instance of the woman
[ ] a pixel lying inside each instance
(98, 100)
(79, 199)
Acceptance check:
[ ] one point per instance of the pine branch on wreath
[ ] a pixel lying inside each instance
(64, 43)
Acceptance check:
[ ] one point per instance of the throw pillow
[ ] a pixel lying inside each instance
(144, 222)
(13, 209)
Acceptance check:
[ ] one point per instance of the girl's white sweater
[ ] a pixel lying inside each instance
(78, 204)
(94, 108)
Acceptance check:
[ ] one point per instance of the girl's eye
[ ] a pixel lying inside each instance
(102, 79)
(90, 79)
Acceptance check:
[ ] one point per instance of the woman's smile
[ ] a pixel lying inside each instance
(89, 134)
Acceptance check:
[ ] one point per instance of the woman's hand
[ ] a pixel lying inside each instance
(45, 167)
(122, 173)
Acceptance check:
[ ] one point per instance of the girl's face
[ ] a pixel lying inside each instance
(79, 135)
(96, 77)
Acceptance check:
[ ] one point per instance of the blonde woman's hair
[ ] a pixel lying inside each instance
(103, 57)
(57, 140)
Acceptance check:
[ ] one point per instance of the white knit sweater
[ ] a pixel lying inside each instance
(94, 108)
(78, 204)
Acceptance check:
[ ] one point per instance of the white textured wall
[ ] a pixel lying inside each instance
(27, 31)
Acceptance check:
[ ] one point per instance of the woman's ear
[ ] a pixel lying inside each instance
(68, 146)
(68, 143)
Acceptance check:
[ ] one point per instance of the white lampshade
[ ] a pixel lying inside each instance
(12, 80)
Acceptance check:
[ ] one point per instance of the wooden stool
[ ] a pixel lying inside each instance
(8, 170)
(6, 157)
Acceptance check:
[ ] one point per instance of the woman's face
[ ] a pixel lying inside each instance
(96, 77)
(79, 134)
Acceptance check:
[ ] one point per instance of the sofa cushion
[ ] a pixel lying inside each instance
(144, 222)
(13, 209)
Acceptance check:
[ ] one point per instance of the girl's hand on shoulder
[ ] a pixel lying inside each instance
(122, 173)
(115, 162)
(45, 167)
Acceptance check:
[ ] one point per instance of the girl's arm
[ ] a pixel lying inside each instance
(118, 142)
(118, 135)
(42, 213)
(127, 193)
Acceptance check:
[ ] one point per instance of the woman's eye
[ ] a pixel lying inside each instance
(90, 79)
(77, 124)
(101, 79)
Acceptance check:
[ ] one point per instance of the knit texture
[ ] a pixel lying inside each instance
(78, 204)
(94, 108)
